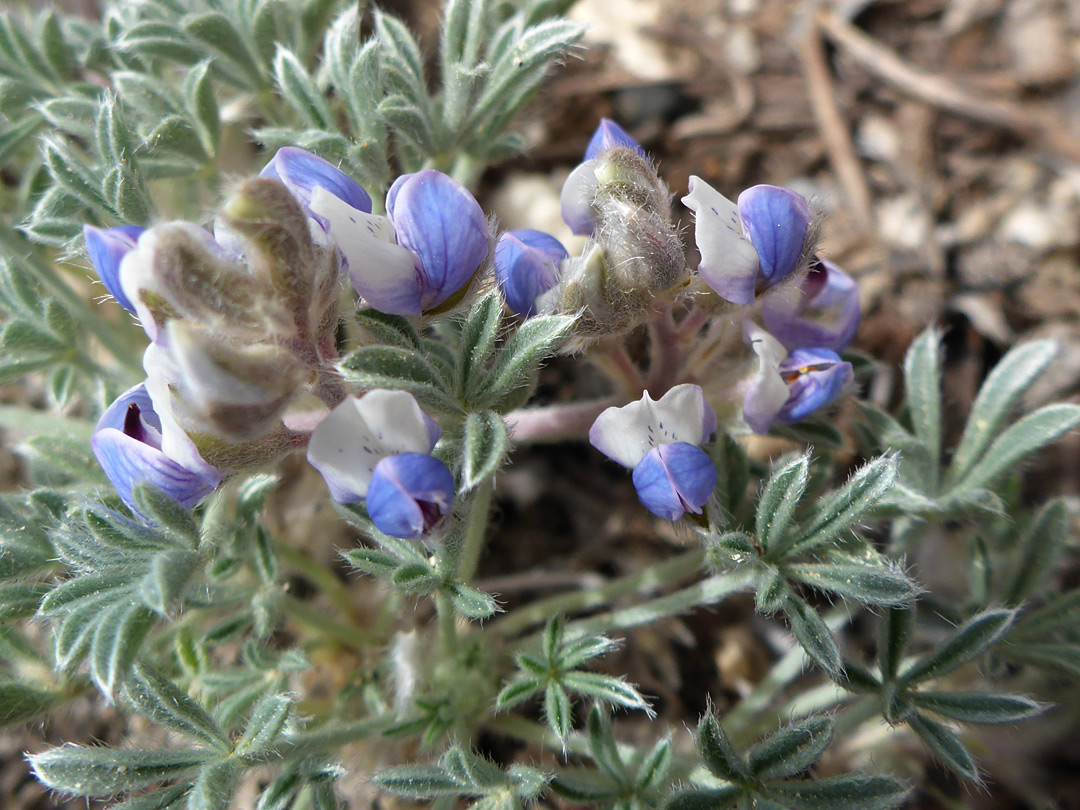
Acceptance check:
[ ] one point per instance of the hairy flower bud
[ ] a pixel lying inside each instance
(232, 391)
(617, 197)
(589, 289)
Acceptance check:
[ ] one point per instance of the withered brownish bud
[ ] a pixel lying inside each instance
(277, 239)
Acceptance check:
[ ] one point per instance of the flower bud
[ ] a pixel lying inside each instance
(360, 432)
(409, 493)
(128, 444)
(527, 266)
(232, 391)
(789, 387)
(609, 135)
(824, 313)
(424, 255)
(107, 248)
(278, 247)
(750, 247)
(617, 197)
(178, 271)
(588, 290)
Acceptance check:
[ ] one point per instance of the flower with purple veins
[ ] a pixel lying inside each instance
(789, 387)
(378, 448)
(660, 441)
(748, 247)
(527, 266)
(128, 444)
(107, 248)
(824, 314)
(422, 255)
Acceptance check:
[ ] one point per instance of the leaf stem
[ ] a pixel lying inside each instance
(475, 531)
(306, 743)
(322, 576)
(304, 614)
(640, 582)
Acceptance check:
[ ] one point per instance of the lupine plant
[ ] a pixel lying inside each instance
(277, 200)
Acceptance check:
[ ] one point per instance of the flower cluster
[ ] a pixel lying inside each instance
(242, 320)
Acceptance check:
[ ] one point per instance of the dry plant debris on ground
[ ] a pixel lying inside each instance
(943, 139)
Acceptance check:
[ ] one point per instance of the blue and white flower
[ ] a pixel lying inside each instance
(420, 256)
(660, 440)
(748, 247)
(302, 173)
(128, 443)
(378, 448)
(579, 189)
(789, 387)
(527, 265)
(824, 314)
(107, 249)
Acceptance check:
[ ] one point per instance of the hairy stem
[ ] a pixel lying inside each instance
(706, 592)
(475, 531)
(558, 423)
(311, 617)
(617, 366)
(640, 582)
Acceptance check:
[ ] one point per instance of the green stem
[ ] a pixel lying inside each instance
(303, 613)
(745, 720)
(447, 623)
(467, 170)
(323, 577)
(306, 743)
(79, 309)
(475, 531)
(706, 592)
(645, 581)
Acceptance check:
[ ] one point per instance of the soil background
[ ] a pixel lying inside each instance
(942, 140)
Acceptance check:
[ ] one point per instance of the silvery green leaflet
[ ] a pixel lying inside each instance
(150, 556)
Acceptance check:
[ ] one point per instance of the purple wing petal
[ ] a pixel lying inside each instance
(302, 172)
(775, 221)
(106, 249)
(409, 493)
(527, 266)
(609, 135)
(442, 224)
